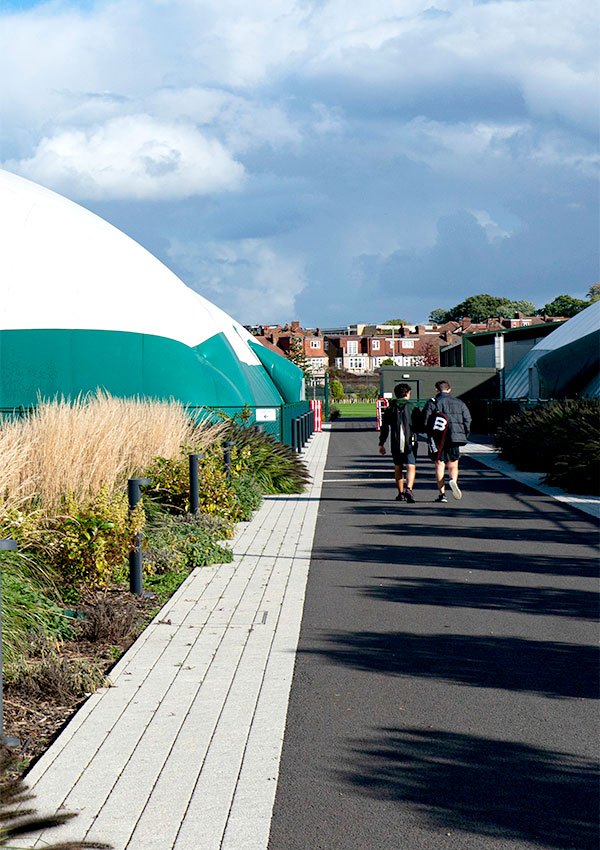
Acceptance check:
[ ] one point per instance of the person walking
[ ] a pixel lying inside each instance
(402, 420)
(448, 424)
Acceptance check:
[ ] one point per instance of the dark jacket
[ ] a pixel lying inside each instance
(459, 418)
(410, 416)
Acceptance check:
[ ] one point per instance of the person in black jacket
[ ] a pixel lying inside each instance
(403, 422)
(457, 434)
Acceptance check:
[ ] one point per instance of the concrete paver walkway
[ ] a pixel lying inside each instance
(183, 750)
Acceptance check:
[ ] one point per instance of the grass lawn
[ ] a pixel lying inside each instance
(362, 409)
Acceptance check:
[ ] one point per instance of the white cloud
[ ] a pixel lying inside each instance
(248, 279)
(492, 229)
(132, 157)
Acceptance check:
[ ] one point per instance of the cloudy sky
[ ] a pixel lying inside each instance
(323, 160)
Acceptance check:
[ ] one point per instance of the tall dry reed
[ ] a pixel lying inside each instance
(92, 443)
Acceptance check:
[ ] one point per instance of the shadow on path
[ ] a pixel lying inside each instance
(481, 785)
(422, 556)
(513, 664)
(581, 604)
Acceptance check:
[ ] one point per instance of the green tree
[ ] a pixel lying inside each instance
(594, 293)
(439, 316)
(337, 390)
(296, 355)
(527, 308)
(563, 305)
(396, 322)
(387, 362)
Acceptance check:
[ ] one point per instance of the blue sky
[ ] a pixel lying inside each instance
(314, 159)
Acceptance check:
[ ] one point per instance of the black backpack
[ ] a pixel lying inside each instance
(437, 429)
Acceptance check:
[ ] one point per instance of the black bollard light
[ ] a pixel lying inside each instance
(227, 446)
(194, 483)
(135, 556)
(6, 545)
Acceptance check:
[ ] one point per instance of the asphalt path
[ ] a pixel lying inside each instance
(445, 693)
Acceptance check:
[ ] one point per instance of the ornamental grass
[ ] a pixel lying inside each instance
(90, 445)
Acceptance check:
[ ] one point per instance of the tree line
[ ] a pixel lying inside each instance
(479, 308)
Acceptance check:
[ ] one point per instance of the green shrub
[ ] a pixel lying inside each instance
(337, 390)
(273, 465)
(561, 439)
(29, 605)
(176, 543)
(43, 672)
(93, 538)
(334, 413)
(248, 494)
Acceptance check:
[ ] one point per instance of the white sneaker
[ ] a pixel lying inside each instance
(455, 489)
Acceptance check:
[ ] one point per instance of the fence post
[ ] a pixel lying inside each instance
(6, 545)
(135, 556)
(298, 434)
(194, 483)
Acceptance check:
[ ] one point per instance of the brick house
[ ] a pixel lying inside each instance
(313, 344)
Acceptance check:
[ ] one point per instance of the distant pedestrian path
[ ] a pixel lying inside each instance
(444, 688)
(445, 693)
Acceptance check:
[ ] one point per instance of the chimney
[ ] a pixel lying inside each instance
(420, 329)
(295, 326)
(465, 322)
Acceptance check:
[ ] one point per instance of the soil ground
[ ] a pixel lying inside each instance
(35, 717)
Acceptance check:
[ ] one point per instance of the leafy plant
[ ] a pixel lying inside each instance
(45, 672)
(248, 495)
(188, 541)
(273, 465)
(93, 538)
(337, 390)
(561, 439)
(28, 606)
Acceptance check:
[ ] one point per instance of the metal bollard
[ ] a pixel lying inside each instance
(135, 556)
(260, 429)
(6, 545)
(194, 483)
(298, 429)
(227, 446)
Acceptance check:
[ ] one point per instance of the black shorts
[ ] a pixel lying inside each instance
(408, 458)
(451, 451)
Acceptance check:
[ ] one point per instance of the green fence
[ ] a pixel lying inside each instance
(276, 421)
(269, 418)
(290, 412)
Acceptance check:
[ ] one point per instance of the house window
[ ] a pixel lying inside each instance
(352, 346)
(315, 343)
(357, 363)
(408, 343)
(375, 345)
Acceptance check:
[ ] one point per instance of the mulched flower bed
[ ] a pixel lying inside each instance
(35, 712)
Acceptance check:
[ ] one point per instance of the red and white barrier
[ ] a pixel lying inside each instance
(380, 406)
(316, 405)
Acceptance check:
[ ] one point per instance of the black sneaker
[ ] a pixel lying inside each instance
(400, 497)
(442, 498)
(408, 495)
